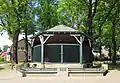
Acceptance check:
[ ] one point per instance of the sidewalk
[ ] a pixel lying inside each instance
(7, 71)
(10, 76)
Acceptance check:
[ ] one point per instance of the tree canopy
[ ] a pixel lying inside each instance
(99, 18)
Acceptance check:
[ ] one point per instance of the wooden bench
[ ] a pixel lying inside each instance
(37, 71)
(89, 71)
(69, 71)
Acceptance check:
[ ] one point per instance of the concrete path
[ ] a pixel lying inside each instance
(12, 77)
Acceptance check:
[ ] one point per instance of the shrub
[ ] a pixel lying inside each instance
(1, 59)
(87, 65)
(25, 65)
(97, 64)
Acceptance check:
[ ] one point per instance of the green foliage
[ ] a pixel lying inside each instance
(1, 59)
(25, 65)
(97, 64)
(16, 15)
(46, 14)
(72, 10)
(39, 15)
(5, 47)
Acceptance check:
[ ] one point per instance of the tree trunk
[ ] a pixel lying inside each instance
(110, 52)
(15, 46)
(114, 41)
(114, 22)
(91, 14)
(100, 50)
(114, 46)
(105, 18)
(26, 46)
(89, 22)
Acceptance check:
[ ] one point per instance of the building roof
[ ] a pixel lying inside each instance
(61, 28)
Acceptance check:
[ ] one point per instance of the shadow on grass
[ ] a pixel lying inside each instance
(1, 68)
(114, 67)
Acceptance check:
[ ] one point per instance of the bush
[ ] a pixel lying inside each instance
(1, 59)
(87, 65)
(25, 65)
(34, 65)
(97, 65)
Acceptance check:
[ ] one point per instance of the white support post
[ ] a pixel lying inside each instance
(89, 42)
(81, 53)
(46, 39)
(80, 48)
(77, 39)
(42, 48)
(83, 38)
(32, 42)
(61, 53)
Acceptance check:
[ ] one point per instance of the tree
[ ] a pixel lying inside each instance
(116, 18)
(72, 12)
(13, 12)
(91, 16)
(46, 14)
(5, 47)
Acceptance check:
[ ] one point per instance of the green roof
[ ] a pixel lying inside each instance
(61, 28)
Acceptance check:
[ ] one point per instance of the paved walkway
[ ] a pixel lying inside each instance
(11, 77)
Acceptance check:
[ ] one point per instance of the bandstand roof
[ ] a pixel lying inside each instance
(61, 28)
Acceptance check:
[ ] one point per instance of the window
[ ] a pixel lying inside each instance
(22, 48)
(29, 57)
(18, 48)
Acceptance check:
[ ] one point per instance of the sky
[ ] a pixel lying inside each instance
(4, 39)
